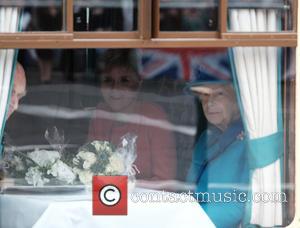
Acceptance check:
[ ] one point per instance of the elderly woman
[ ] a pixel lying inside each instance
(219, 167)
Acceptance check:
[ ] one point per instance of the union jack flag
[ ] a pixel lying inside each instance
(185, 64)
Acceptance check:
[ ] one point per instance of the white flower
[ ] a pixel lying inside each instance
(35, 177)
(97, 145)
(102, 146)
(75, 161)
(62, 172)
(85, 176)
(88, 158)
(18, 163)
(44, 157)
(76, 170)
(116, 164)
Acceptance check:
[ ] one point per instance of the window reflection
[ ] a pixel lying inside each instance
(115, 15)
(43, 16)
(105, 93)
(145, 86)
(188, 15)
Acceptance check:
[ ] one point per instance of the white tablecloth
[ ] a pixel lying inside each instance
(75, 210)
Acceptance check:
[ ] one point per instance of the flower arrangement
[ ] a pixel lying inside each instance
(40, 166)
(58, 167)
(48, 165)
(102, 158)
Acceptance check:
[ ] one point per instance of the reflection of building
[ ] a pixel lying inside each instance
(100, 19)
(183, 18)
(105, 16)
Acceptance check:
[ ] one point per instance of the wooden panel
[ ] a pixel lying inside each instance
(144, 16)
(268, 36)
(69, 15)
(156, 18)
(138, 43)
(188, 35)
(223, 10)
(295, 15)
(106, 35)
(34, 36)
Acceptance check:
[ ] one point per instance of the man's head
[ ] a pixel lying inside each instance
(19, 89)
(219, 104)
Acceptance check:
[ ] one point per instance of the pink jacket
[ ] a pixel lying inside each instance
(156, 153)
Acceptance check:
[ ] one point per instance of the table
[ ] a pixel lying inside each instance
(71, 210)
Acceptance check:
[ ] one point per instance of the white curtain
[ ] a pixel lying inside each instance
(128, 14)
(257, 77)
(9, 17)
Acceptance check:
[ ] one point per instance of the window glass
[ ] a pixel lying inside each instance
(180, 103)
(116, 15)
(39, 15)
(189, 15)
(257, 16)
